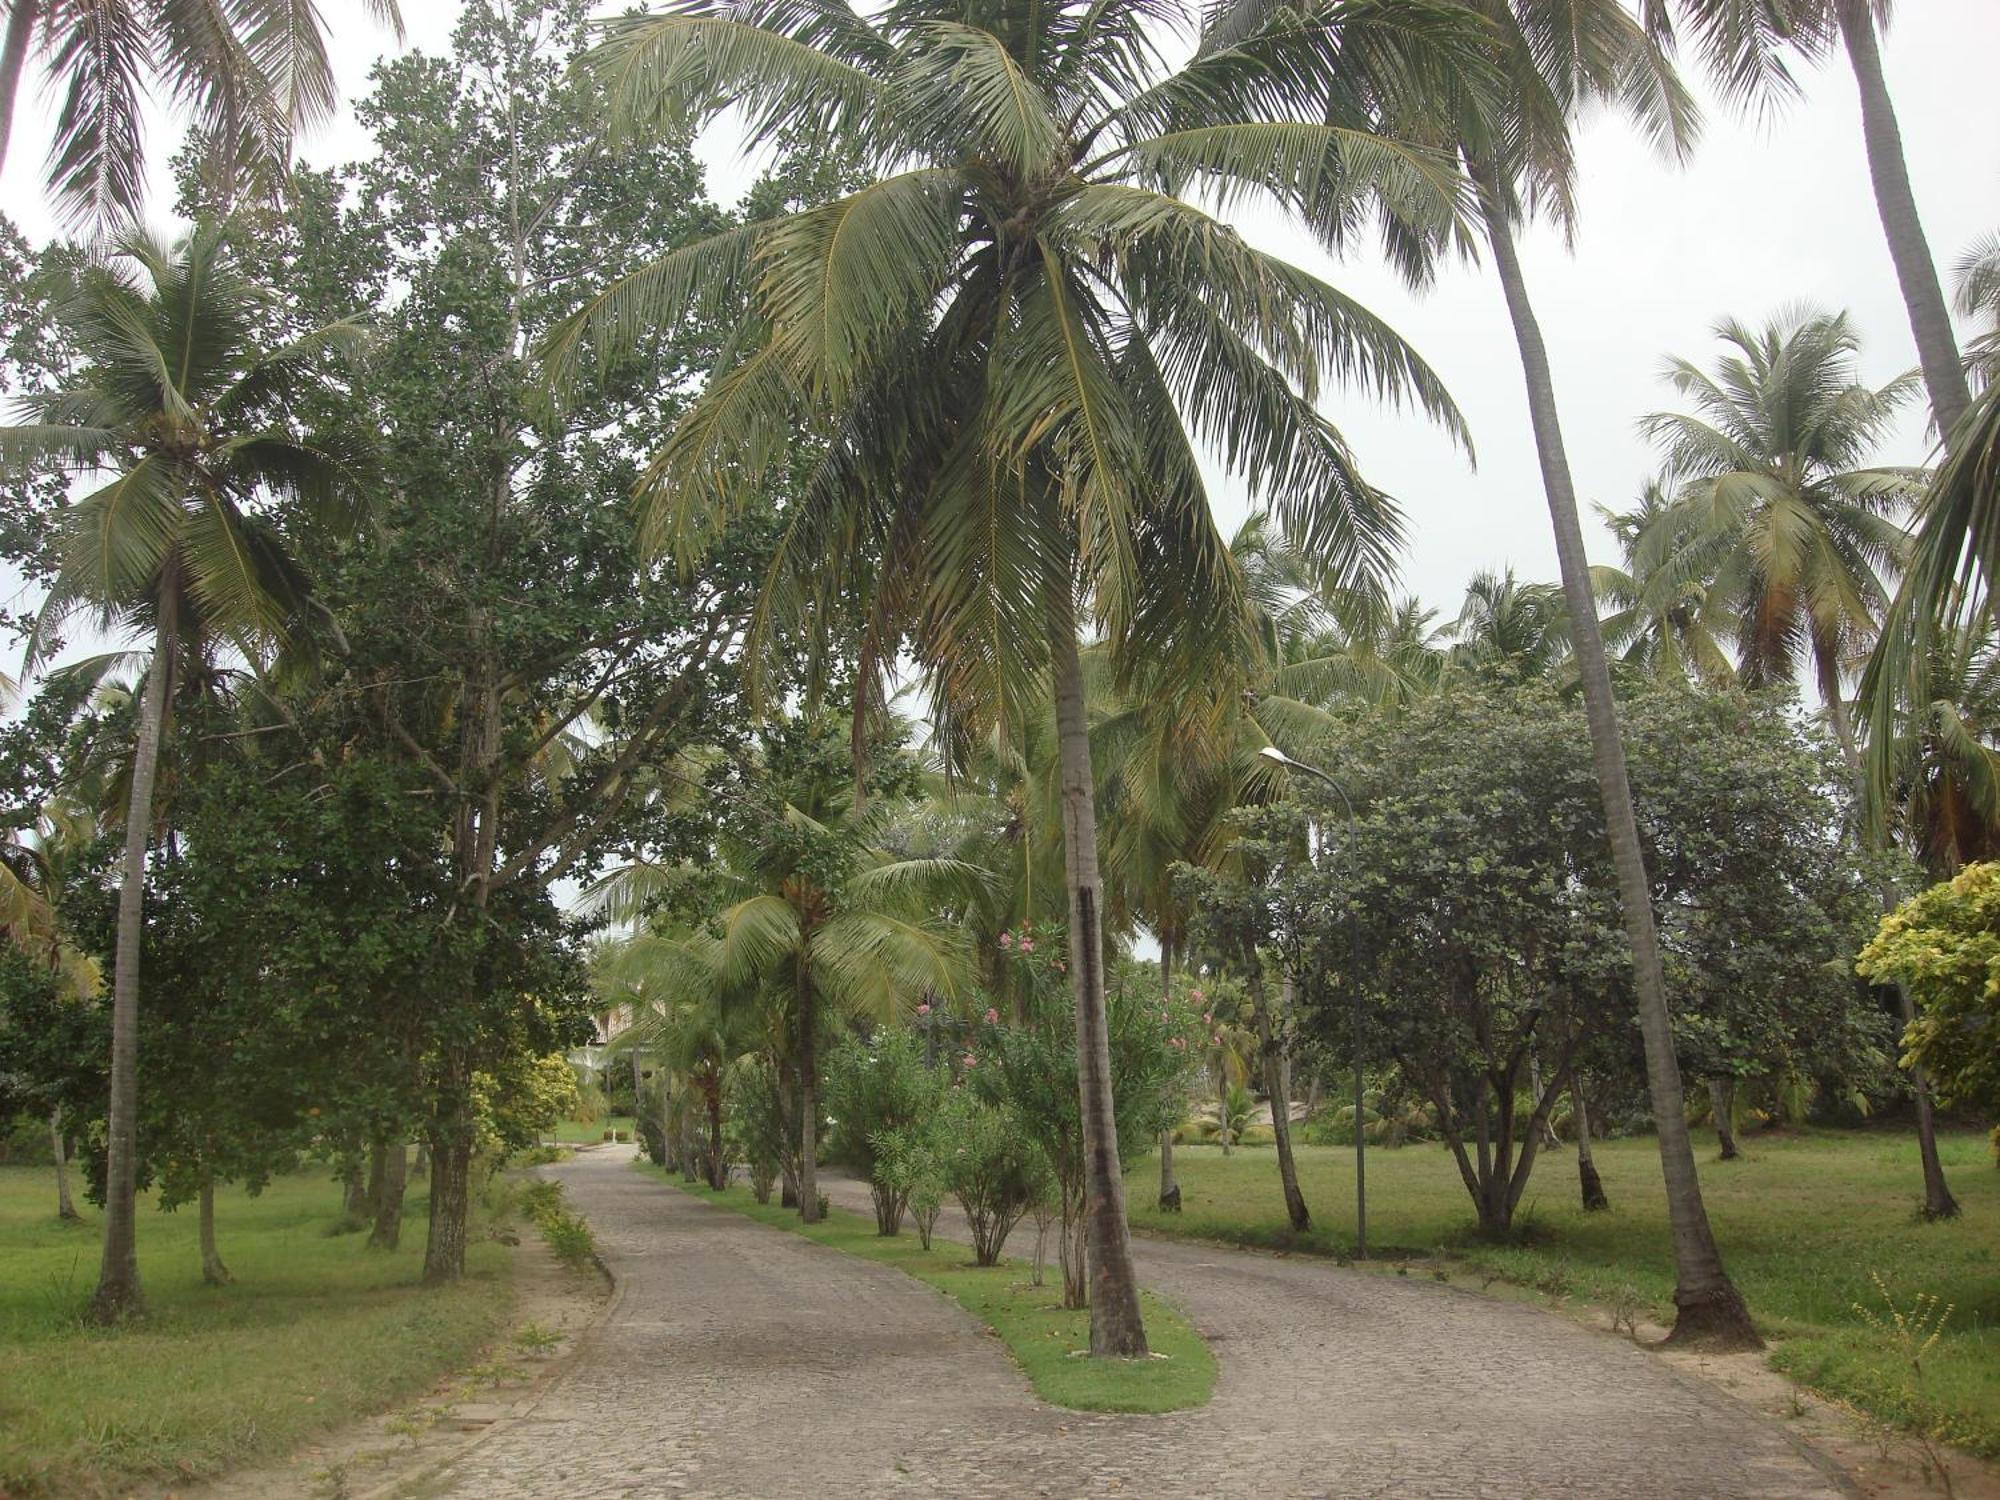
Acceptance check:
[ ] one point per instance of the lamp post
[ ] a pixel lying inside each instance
(1278, 757)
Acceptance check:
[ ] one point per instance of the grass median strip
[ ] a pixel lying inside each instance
(1031, 1321)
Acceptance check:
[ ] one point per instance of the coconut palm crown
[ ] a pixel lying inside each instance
(1016, 337)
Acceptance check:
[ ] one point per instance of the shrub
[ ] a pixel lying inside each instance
(761, 1119)
(993, 1168)
(911, 1162)
(874, 1087)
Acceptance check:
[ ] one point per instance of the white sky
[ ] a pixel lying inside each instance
(1764, 215)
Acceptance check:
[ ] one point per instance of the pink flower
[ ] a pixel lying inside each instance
(1006, 939)
(923, 1010)
(1180, 1043)
(1216, 1039)
(1208, 1018)
(1027, 945)
(1197, 996)
(1060, 967)
(971, 1061)
(992, 1016)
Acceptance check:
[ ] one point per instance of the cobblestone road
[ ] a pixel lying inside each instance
(739, 1360)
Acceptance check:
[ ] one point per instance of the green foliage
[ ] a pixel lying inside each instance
(515, 1106)
(911, 1161)
(1944, 945)
(568, 1235)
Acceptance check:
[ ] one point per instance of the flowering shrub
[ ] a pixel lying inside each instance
(991, 1165)
(873, 1087)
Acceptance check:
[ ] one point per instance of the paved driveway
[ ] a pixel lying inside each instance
(740, 1360)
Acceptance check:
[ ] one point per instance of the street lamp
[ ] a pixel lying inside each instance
(1278, 757)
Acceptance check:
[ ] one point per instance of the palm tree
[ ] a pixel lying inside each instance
(249, 76)
(1659, 620)
(1773, 505)
(1510, 629)
(191, 419)
(1011, 340)
(1976, 297)
(1744, 43)
(1559, 58)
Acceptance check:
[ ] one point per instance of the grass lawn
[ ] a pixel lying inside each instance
(1029, 1320)
(569, 1133)
(316, 1331)
(1804, 1220)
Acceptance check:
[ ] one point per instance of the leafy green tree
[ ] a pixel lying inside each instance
(1469, 897)
(195, 419)
(1509, 629)
(248, 76)
(1011, 338)
(1943, 945)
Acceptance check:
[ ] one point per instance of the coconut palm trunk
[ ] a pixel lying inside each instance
(808, 1016)
(1170, 1189)
(117, 1295)
(65, 1205)
(21, 20)
(1709, 1308)
(1916, 273)
(1115, 1324)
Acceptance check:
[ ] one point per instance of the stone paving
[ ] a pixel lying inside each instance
(738, 1360)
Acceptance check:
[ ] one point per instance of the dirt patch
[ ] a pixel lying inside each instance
(393, 1452)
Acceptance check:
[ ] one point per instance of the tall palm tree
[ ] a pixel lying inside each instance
(248, 75)
(1745, 44)
(1560, 58)
(1774, 504)
(1659, 620)
(191, 420)
(1013, 337)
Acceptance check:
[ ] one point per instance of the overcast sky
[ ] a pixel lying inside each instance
(1766, 214)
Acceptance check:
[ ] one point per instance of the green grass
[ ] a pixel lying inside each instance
(1804, 1220)
(316, 1331)
(570, 1133)
(1041, 1335)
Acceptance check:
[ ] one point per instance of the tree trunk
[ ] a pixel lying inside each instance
(1595, 1199)
(213, 1271)
(1916, 273)
(450, 1130)
(1170, 1190)
(1116, 1328)
(1274, 1089)
(808, 1098)
(117, 1293)
(1709, 1309)
(13, 55)
(65, 1205)
(1549, 1136)
(1222, 1109)
(388, 1230)
(422, 1165)
(1722, 1104)
(355, 1201)
(378, 1170)
(718, 1168)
